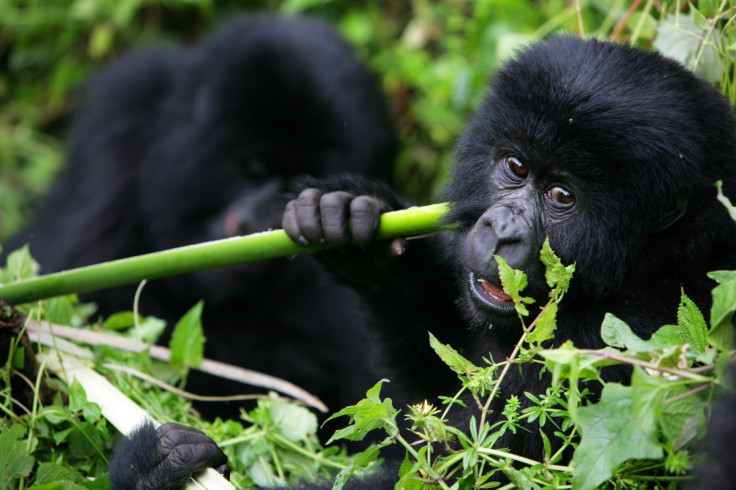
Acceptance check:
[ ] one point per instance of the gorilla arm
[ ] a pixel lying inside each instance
(409, 284)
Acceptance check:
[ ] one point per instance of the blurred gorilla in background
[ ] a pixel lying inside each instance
(178, 146)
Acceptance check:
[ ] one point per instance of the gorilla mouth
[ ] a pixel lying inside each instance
(489, 296)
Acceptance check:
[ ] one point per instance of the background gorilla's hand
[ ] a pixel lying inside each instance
(163, 458)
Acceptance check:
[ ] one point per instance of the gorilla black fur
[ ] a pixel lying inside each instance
(176, 146)
(611, 152)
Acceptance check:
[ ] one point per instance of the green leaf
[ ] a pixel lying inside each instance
(60, 309)
(21, 265)
(77, 396)
(721, 312)
(295, 422)
(692, 325)
(680, 418)
(557, 275)
(362, 460)
(682, 36)
(121, 320)
(546, 323)
(616, 333)
(514, 281)
(85, 442)
(187, 341)
(53, 472)
(19, 358)
(148, 330)
(368, 414)
(452, 358)
(647, 395)
(15, 462)
(611, 434)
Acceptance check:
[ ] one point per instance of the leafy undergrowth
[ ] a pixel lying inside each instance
(639, 435)
(52, 437)
(635, 436)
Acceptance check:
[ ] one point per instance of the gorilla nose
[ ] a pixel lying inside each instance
(505, 232)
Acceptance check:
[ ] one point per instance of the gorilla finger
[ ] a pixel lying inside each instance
(172, 435)
(308, 217)
(334, 208)
(365, 214)
(290, 224)
(196, 457)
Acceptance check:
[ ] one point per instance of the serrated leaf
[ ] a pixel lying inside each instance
(362, 460)
(558, 276)
(692, 325)
(611, 434)
(187, 341)
(451, 357)
(368, 414)
(513, 282)
(53, 472)
(15, 462)
(85, 442)
(544, 328)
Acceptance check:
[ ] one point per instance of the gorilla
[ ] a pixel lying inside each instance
(174, 146)
(610, 152)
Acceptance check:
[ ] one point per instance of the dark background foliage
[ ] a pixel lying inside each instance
(432, 56)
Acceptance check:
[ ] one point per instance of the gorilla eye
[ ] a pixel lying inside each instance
(516, 167)
(560, 195)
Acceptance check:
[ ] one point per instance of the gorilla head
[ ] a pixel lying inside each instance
(610, 152)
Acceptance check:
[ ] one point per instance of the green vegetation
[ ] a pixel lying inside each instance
(434, 58)
(634, 436)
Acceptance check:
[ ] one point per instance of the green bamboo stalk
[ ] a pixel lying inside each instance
(208, 255)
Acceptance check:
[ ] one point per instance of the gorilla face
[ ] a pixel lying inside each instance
(608, 164)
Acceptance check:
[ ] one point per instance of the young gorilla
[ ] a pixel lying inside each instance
(178, 146)
(611, 152)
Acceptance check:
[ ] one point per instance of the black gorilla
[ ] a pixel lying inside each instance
(610, 152)
(178, 146)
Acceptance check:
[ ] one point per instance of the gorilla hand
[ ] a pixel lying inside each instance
(163, 458)
(337, 219)
(329, 218)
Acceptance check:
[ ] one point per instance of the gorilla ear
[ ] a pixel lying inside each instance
(674, 214)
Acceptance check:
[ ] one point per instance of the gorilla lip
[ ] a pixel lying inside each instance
(489, 294)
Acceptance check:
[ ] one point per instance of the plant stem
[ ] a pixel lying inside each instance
(209, 255)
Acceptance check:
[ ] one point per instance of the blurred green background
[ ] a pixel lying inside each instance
(433, 57)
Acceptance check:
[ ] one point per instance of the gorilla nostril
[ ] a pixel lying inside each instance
(514, 251)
